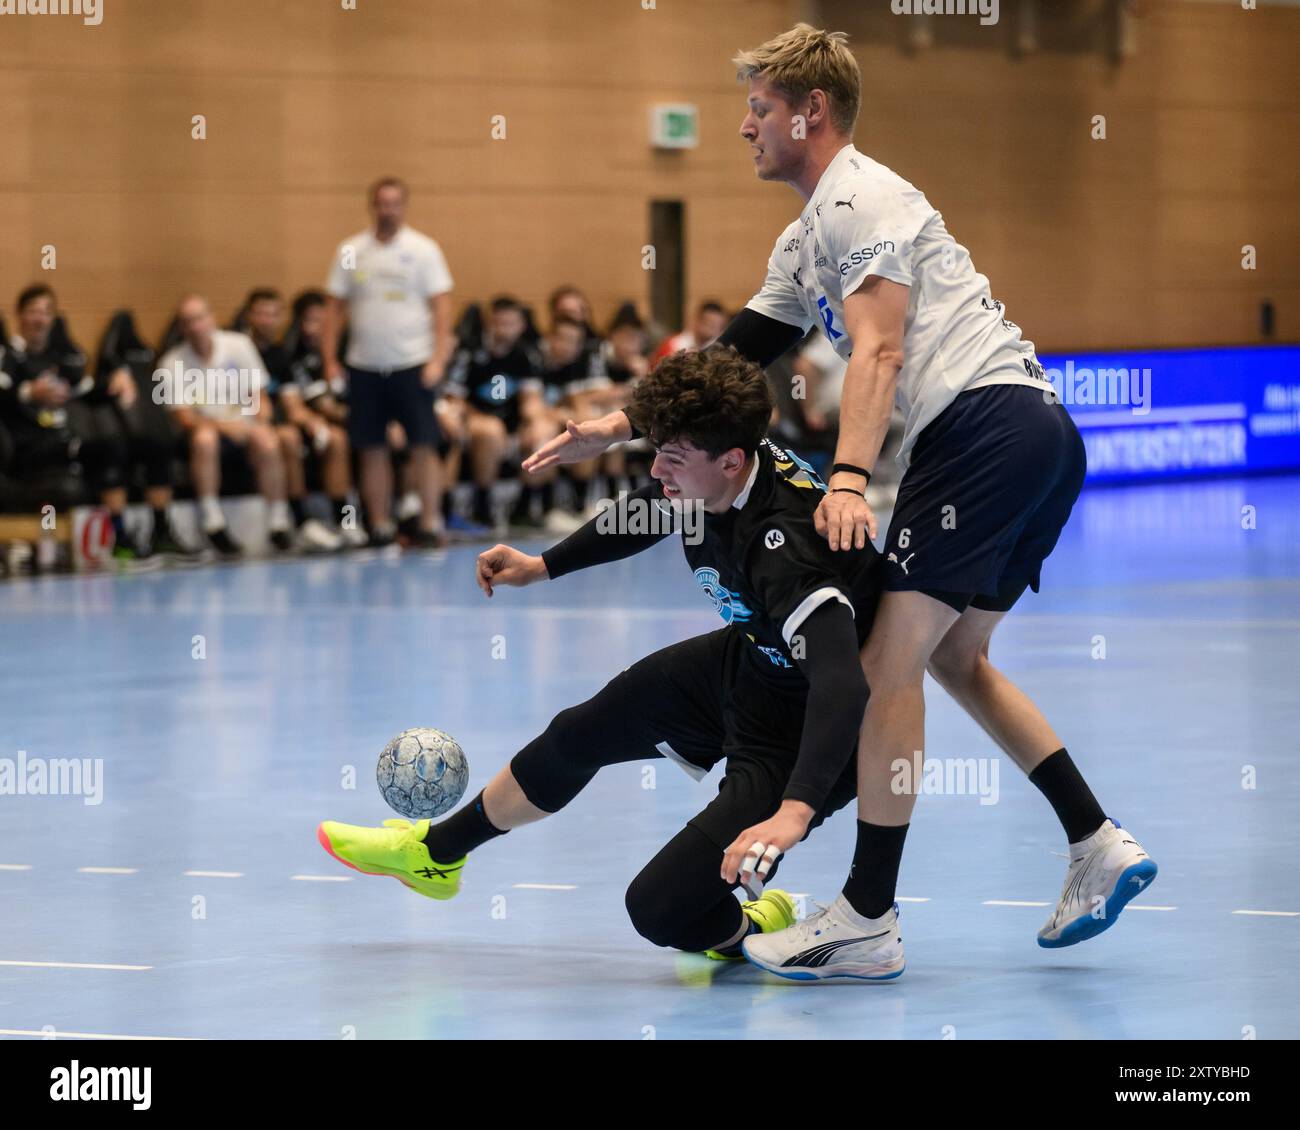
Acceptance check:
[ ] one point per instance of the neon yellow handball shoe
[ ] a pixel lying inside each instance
(773, 910)
(396, 849)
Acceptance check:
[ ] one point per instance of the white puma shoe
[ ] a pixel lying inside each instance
(1106, 870)
(834, 942)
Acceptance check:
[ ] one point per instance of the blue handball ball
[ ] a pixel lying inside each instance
(422, 773)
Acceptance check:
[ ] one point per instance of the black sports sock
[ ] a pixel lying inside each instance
(462, 831)
(339, 506)
(482, 512)
(1059, 780)
(119, 528)
(160, 523)
(873, 877)
(735, 949)
(299, 511)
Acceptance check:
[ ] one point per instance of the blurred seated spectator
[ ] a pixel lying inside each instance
(709, 321)
(44, 394)
(311, 423)
(125, 363)
(497, 383)
(574, 378)
(216, 385)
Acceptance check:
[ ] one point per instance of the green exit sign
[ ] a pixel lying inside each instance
(674, 126)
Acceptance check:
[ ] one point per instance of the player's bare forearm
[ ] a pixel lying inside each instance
(505, 565)
(875, 316)
(866, 405)
(580, 441)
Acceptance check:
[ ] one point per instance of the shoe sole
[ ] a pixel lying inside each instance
(324, 842)
(805, 974)
(1086, 926)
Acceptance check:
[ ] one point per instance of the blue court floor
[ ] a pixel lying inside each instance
(194, 900)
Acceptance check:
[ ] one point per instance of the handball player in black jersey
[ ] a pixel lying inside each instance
(776, 695)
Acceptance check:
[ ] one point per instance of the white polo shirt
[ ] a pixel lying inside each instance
(387, 287)
(863, 219)
(228, 386)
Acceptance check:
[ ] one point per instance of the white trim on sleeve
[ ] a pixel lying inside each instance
(808, 605)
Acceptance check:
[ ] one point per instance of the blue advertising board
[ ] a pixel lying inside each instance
(1158, 414)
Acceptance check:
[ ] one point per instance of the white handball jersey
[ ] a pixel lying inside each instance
(861, 220)
(387, 287)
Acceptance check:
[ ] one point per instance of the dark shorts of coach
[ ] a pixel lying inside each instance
(374, 399)
(991, 484)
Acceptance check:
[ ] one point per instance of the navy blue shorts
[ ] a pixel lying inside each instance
(991, 485)
(376, 398)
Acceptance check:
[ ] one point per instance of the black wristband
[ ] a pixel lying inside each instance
(851, 469)
(849, 490)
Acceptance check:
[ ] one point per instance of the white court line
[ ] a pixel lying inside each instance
(15, 866)
(900, 898)
(1009, 902)
(74, 965)
(211, 875)
(322, 878)
(108, 870)
(545, 886)
(1271, 913)
(57, 1035)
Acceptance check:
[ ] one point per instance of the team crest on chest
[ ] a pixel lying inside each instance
(726, 603)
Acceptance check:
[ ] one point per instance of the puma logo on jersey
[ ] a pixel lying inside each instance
(901, 564)
(797, 280)
(847, 203)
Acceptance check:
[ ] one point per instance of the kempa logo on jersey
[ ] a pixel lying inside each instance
(1129, 388)
(90, 11)
(774, 539)
(192, 387)
(987, 10)
(865, 255)
(102, 1084)
(657, 516)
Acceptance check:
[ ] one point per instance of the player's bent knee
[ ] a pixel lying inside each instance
(651, 907)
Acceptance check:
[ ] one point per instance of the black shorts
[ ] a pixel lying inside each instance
(695, 703)
(991, 485)
(374, 399)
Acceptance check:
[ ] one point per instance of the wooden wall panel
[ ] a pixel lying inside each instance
(1131, 241)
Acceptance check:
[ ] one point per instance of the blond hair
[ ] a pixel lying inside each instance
(805, 59)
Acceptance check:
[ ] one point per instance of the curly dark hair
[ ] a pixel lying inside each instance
(715, 400)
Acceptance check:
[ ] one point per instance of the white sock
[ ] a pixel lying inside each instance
(280, 518)
(210, 516)
(408, 506)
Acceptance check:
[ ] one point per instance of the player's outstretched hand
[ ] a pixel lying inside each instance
(757, 848)
(845, 520)
(579, 442)
(503, 565)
